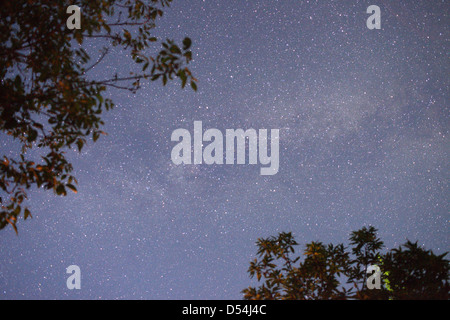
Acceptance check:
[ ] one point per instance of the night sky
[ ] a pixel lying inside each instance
(364, 137)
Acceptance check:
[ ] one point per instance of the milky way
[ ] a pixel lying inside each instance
(363, 118)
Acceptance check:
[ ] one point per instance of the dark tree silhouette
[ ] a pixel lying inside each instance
(334, 272)
(50, 98)
(414, 273)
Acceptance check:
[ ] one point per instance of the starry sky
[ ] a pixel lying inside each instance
(364, 137)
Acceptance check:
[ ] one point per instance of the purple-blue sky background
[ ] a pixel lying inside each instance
(364, 140)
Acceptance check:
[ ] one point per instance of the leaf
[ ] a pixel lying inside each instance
(72, 187)
(79, 37)
(187, 43)
(95, 136)
(80, 144)
(60, 190)
(194, 86)
(107, 28)
(32, 135)
(13, 225)
(188, 56)
(175, 49)
(27, 214)
(183, 77)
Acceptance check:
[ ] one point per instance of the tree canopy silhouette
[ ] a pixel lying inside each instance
(50, 98)
(335, 272)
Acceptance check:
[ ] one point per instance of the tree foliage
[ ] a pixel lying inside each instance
(416, 273)
(336, 272)
(51, 97)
